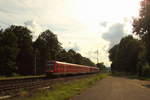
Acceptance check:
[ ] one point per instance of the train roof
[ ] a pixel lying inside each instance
(73, 64)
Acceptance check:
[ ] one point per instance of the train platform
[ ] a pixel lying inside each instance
(116, 88)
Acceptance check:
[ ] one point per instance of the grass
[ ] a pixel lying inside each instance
(129, 75)
(64, 91)
(144, 78)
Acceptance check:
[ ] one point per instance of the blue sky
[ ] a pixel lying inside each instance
(84, 25)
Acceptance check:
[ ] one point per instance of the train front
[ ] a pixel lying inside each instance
(50, 68)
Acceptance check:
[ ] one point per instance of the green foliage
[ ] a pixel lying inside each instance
(73, 57)
(124, 56)
(101, 66)
(63, 56)
(24, 59)
(88, 62)
(142, 23)
(53, 46)
(145, 70)
(71, 54)
(141, 27)
(8, 53)
(113, 52)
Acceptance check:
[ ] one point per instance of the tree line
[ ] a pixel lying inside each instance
(102, 67)
(20, 55)
(133, 55)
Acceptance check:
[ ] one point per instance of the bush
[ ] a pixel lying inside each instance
(146, 70)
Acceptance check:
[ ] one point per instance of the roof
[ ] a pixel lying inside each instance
(73, 64)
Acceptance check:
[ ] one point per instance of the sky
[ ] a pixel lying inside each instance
(86, 26)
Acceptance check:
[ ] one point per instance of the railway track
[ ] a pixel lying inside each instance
(12, 88)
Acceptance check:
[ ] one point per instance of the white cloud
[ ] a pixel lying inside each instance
(73, 46)
(114, 34)
(34, 27)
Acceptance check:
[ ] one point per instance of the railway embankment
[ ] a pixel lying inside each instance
(62, 90)
(15, 87)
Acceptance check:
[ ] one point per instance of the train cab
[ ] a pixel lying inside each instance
(50, 67)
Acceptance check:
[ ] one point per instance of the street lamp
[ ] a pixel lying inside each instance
(35, 57)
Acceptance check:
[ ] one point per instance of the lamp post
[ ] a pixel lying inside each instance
(35, 62)
(97, 56)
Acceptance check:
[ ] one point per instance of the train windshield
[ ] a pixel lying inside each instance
(50, 66)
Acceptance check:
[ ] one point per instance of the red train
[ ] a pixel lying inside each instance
(62, 68)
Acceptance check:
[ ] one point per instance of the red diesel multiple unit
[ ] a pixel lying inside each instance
(62, 68)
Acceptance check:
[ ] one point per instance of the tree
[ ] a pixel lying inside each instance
(124, 56)
(41, 55)
(113, 57)
(78, 58)
(52, 43)
(88, 62)
(141, 26)
(8, 53)
(101, 66)
(25, 61)
(71, 54)
(113, 52)
(48, 47)
(73, 57)
(63, 56)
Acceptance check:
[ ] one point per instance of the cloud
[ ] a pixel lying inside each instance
(114, 34)
(55, 27)
(104, 24)
(3, 23)
(34, 27)
(73, 46)
(7, 11)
